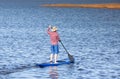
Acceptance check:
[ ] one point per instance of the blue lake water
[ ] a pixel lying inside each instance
(92, 36)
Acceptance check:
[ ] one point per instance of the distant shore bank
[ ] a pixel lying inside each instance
(108, 5)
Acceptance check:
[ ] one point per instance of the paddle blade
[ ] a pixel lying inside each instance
(71, 58)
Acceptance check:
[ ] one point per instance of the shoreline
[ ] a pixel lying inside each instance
(107, 5)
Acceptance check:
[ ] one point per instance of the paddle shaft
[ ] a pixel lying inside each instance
(64, 47)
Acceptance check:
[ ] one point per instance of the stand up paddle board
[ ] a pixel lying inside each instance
(59, 62)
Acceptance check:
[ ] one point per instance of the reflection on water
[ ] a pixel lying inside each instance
(53, 72)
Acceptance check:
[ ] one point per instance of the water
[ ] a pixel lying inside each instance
(91, 35)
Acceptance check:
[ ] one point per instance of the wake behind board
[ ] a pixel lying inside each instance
(59, 62)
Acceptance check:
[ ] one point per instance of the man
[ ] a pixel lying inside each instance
(54, 38)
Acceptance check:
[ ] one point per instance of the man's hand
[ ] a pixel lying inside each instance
(59, 40)
(50, 26)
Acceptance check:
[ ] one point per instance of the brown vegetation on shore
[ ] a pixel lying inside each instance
(109, 5)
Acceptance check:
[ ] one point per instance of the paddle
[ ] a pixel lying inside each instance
(70, 56)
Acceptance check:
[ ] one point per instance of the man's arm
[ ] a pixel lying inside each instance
(48, 30)
(59, 38)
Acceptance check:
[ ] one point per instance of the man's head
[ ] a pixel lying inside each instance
(54, 28)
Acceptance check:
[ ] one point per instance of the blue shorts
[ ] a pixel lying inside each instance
(54, 49)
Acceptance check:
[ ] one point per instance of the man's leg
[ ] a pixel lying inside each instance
(52, 53)
(51, 57)
(55, 57)
(56, 53)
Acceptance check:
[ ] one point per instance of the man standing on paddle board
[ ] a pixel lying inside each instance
(54, 38)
